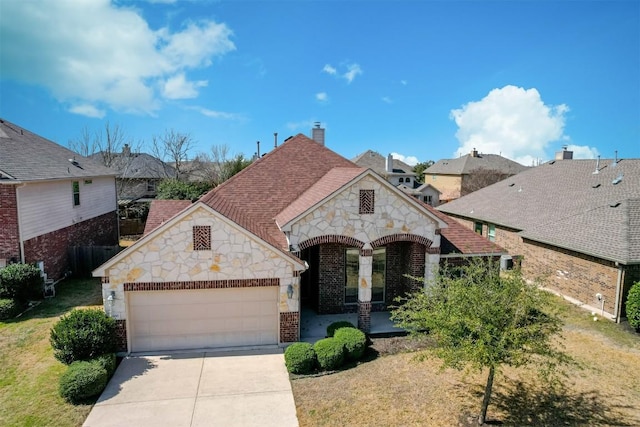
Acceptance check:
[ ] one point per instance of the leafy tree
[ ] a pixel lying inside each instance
(482, 319)
(481, 177)
(633, 305)
(420, 168)
(174, 189)
(219, 165)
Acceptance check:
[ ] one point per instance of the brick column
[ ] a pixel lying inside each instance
(289, 327)
(364, 288)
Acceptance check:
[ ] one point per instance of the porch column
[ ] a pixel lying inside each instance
(364, 288)
(431, 265)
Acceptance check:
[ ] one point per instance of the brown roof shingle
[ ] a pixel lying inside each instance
(161, 211)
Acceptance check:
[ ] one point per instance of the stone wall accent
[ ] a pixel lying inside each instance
(332, 238)
(9, 233)
(121, 336)
(204, 284)
(401, 238)
(364, 316)
(331, 279)
(289, 327)
(52, 247)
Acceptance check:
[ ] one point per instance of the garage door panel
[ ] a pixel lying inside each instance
(173, 320)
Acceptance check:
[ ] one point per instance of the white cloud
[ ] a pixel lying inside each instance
(329, 70)
(100, 53)
(350, 73)
(87, 110)
(403, 82)
(216, 114)
(387, 100)
(177, 87)
(511, 121)
(583, 151)
(410, 160)
(322, 97)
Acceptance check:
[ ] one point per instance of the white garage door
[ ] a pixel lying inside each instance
(190, 319)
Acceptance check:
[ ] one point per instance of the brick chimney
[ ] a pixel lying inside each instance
(317, 133)
(474, 153)
(126, 150)
(564, 154)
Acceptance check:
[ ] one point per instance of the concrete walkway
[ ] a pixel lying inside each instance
(239, 388)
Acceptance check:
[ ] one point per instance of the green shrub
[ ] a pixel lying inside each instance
(332, 328)
(83, 380)
(330, 353)
(108, 362)
(354, 341)
(633, 305)
(83, 335)
(300, 358)
(8, 308)
(21, 282)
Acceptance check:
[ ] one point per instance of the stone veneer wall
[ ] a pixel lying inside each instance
(9, 233)
(52, 247)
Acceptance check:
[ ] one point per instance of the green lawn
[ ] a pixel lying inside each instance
(29, 373)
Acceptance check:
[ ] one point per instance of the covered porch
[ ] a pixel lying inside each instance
(313, 326)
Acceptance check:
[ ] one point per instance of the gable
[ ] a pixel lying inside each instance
(167, 254)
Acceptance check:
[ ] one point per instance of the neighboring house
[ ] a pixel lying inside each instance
(400, 175)
(453, 177)
(138, 173)
(50, 199)
(301, 226)
(575, 223)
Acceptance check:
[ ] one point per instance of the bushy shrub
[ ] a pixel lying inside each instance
(332, 328)
(8, 308)
(330, 353)
(633, 305)
(108, 362)
(300, 358)
(83, 335)
(21, 282)
(353, 340)
(83, 380)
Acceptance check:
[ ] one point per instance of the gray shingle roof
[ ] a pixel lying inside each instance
(465, 164)
(375, 161)
(25, 156)
(563, 203)
(138, 165)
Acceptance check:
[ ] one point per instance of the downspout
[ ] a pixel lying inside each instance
(616, 310)
(22, 257)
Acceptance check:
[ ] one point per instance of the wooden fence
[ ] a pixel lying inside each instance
(84, 259)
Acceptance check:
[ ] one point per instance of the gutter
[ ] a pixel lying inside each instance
(22, 257)
(616, 310)
(455, 255)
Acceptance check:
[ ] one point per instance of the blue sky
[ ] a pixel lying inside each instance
(423, 79)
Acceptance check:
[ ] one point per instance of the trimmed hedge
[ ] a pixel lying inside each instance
(353, 340)
(300, 358)
(108, 362)
(21, 282)
(8, 308)
(330, 353)
(83, 334)
(83, 380)
(332, 328)
(633, 306)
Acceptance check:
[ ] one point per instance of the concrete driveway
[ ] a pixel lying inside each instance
(239, 388)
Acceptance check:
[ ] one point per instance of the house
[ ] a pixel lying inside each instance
(399, 174)
(50, 199)
(301, 226)
(456, 177)
(575, 223)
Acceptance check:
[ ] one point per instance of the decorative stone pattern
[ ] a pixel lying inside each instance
(208, 284)
(367, 202)
(169, 257)
(121, 335)
(332, 238)
(401, 238)
(9, 235)
(52, 247)
(289, 327)
(364, 316)
(201, 238)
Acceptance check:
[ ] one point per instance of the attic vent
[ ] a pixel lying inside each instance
(614, 205)
(595, 186)
(618, 180)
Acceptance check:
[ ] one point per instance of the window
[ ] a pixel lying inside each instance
(352, 267)
(433, 177)
(401, 179)
(478, 228)
(491, 232)
(408, 180)
(151, 186)
(76, 193)
(378, 274)
(366, 201)
(428, 199)
(201, 238)
(88, 181)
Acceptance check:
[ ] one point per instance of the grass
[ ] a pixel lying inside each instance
(394, 389)
(29, 375)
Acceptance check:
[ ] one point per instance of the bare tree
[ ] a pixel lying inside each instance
(85, 144)
(480, 178)
(219, 165)
(173, 147)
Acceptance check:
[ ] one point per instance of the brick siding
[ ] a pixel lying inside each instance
(202, 284)
(121, 335)
(9, 234)
(52, 247)
(364, 316)
(331, 280)
(289, 326)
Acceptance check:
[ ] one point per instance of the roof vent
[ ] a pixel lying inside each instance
(597, 171)
(595, 185)
(512, 184)
(618, 179)
(614, 205)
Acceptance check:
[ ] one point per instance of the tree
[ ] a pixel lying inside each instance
(107, 145)
(420, 168)
(174, 189)
(479, 178)
(483, 319)
(219, 165)
(173, 147)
